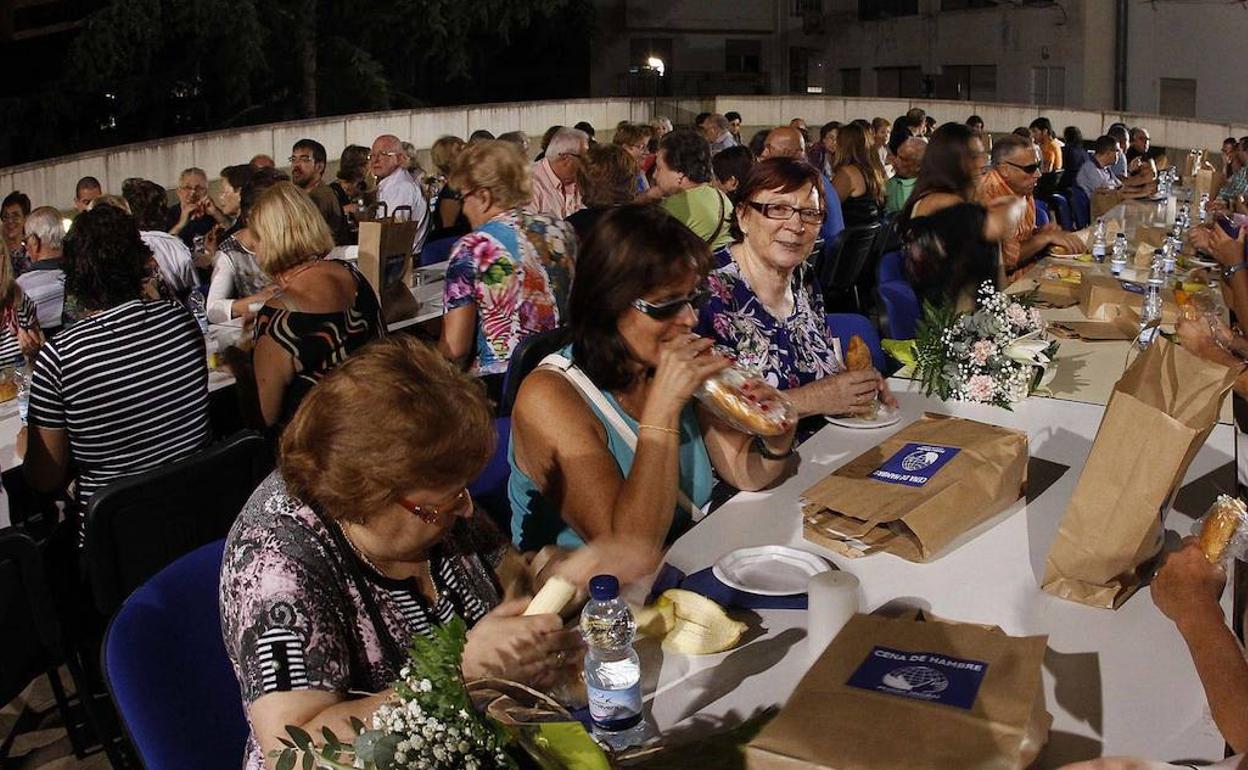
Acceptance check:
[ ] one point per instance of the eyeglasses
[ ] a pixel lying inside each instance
(1030, 168)
(301, 159)
(662, 311)
(783, 211)
(431, 514)
(194, 189)
(11, 218)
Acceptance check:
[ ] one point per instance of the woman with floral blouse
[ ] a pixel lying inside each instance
(762, 308)
(510, 277)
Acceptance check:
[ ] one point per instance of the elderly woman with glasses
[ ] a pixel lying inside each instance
(764, 311)
(606, 440)
(509, 278)
(366, 536)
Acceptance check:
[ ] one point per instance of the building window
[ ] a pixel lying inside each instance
(1048, 86)
(743, 56)
(803, 7)
(872, 10)
(899, 82)
(964, 5)
(851, 82)
(966, 82)
(1177, 97)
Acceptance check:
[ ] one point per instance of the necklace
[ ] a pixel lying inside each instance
(285, 278)
(424, 573)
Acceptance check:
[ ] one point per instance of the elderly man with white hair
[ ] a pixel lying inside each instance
(555, 193)
(718, 133)
(44, 283)
(396, 187)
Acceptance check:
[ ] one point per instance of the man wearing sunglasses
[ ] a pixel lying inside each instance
(1014, 173)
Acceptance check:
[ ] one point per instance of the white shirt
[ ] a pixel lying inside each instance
(46, 288)
(174, 260)
(400, 189)
(235, 273)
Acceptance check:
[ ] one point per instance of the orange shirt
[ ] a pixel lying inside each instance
(1051, 156)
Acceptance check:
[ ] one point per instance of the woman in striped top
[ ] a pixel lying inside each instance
(126, 388)
(324, 309)
(365, 536)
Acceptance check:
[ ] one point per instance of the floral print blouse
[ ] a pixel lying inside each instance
(517, 270)
(788, 352)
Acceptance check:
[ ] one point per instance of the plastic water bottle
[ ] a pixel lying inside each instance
(1118, 259)
(195, 303)
(612, 668)
(1098, 240)
(1202, 212)
(1168, 255)
(22, 374)
(1150, 313)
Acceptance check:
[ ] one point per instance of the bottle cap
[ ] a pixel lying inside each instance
(604, 588)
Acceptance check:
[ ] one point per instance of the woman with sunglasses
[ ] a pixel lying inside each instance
(510, 277)
(762, 309)
(365, 536)
(606, 440)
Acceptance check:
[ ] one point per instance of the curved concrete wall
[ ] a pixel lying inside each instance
(51, 182)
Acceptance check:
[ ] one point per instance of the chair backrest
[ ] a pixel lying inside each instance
(166, 667)
(901, 309)
(837, 274)
(1059, 209)
(489, 489)
(892, 267)
(136, 526)
(437, 251)
(525, 358)
(1080, 207)
(845, 325)
(30, 643)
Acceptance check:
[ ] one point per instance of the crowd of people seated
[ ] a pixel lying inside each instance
(648, 263)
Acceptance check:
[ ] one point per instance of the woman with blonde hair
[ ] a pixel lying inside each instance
(448, 208)
(858, 176)
(323, 311)
(510, 277)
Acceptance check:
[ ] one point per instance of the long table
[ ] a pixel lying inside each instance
(1116, 682)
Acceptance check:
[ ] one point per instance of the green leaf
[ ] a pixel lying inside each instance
(383, 752)
(286, 761)
(330, 738)
(300, 737)
(357, 725)
(309, 761)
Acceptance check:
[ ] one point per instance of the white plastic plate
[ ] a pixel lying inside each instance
(768, 570)
(883, 418)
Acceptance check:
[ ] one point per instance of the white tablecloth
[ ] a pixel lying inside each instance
(1117, 682)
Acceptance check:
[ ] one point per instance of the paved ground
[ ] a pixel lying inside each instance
(47, 746)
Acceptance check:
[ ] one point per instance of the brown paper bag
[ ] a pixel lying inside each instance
(1153, 236)
(913, 695)
(1096, 331)
(1103, 200)
(1112, 524)
(919, 490)
(1103, 298)
(1208, 181)
(385, 259)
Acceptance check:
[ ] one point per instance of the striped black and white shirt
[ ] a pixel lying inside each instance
(25, 314)
(129, 386)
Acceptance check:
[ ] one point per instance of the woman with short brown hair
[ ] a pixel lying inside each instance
(364, 537)
(606, 178)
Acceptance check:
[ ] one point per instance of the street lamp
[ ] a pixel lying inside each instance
(656, 66)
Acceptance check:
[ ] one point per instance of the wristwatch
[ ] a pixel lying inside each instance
(761, 448)
(1227, 272)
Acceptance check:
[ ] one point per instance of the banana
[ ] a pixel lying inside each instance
(702, 627)
(656, 620)
(553, 597)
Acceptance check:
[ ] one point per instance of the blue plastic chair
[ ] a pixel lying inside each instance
(846, 325)
(167, 670)
(901, 309)
(1058, 209)
(1080, 207)
(437, 251)
(892, 267)
(489, 489)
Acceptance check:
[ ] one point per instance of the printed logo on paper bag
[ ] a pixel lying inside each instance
(914, 464)
(925, 676)
(1132, 287)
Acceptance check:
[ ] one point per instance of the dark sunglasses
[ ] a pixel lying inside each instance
(1030, 168)
(662, 311)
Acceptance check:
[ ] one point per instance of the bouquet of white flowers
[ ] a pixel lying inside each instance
(999, 354)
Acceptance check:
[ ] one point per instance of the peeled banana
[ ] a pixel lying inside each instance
(656, 620)
(701, 626)
(553, 597)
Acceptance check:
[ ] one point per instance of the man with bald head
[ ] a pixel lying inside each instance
(788, 142)
(906, 167)
(395, 186)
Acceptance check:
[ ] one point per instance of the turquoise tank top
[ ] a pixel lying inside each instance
(535, 522)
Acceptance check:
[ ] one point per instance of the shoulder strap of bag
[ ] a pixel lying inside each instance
(718, 228)
(589, 391)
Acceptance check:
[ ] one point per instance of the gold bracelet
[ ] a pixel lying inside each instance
(644, 426)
